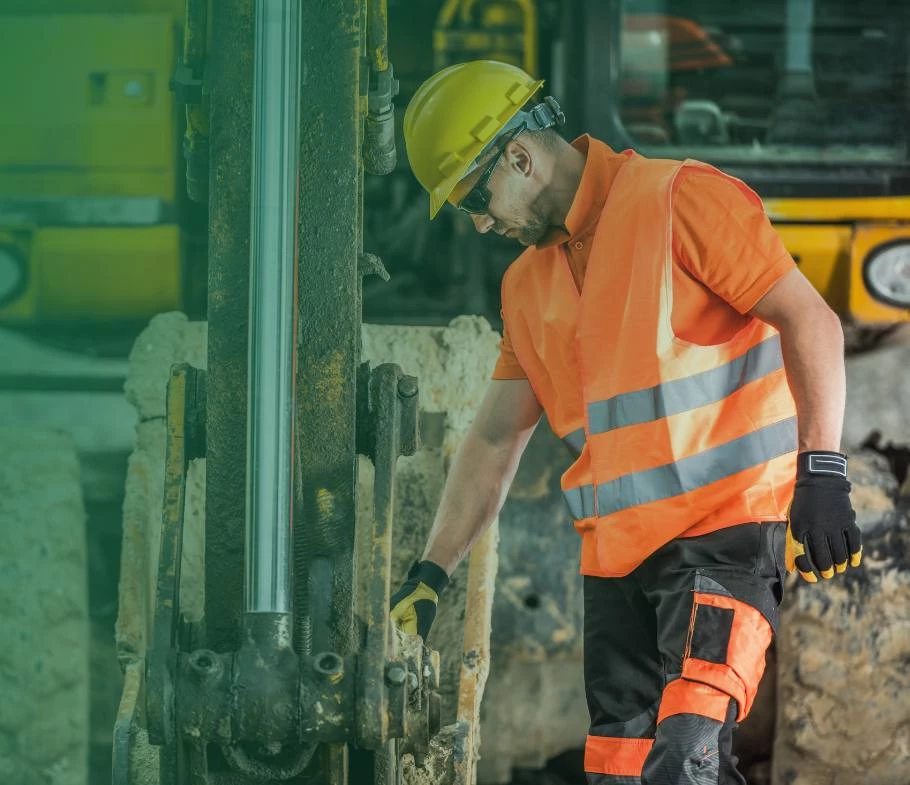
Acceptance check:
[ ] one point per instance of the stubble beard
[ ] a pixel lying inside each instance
(535, 228)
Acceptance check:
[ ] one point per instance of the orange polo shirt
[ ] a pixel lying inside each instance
(726, 254)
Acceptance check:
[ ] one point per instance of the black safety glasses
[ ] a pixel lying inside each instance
(477, 200)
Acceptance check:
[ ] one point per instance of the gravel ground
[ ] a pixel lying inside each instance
(44, 713)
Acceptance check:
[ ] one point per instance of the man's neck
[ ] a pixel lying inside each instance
(567, 170)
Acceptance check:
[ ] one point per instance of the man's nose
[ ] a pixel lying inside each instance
(483, 223)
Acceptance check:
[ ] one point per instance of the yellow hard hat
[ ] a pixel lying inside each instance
(454, 115)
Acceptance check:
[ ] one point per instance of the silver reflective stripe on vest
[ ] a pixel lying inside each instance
(697, 471)
(575, 441)
(580, 501)
(690, 392)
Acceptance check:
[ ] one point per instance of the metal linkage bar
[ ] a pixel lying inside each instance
(391, 424)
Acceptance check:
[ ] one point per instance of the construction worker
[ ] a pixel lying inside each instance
(698, 378)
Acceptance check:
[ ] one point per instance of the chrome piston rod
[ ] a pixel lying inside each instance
(273, 260)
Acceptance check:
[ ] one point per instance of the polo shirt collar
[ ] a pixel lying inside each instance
(589, 200)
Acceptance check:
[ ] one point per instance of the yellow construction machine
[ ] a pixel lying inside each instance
(96, 233)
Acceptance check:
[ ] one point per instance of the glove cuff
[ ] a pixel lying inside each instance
(431, 574)
(820, 463)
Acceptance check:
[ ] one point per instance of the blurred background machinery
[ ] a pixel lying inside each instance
(125, 193)
(806, 100)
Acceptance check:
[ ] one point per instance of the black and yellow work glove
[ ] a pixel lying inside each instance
(822, 534)
(414, 604)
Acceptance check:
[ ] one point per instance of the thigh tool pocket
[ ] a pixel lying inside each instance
(728, 636)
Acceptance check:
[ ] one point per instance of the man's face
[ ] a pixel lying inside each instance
(514, 209)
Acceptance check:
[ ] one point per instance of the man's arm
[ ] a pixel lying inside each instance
(483, 470)
(822, 534)
(812, 342)
(474, 491)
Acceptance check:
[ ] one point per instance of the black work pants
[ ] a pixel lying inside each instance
(674, 653)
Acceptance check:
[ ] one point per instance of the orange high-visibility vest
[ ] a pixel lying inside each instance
(673, 438)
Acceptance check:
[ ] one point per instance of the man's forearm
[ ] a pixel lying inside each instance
(474, 493)
(814, 360)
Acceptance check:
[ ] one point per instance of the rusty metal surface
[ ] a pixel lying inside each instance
(203, 679)
(238, 696)
(329, 326)
(260, 713)
(378, 34)
(229, 75)
(329, 314)
(265, 708)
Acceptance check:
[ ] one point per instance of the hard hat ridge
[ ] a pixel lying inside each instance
(458, 112)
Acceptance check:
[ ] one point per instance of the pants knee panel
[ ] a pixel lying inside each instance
(686, 751)
(726, 643)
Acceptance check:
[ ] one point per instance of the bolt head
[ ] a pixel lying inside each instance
(407, 387)
(396, 675)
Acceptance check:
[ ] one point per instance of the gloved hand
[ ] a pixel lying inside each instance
(414, 604)
(821, 530)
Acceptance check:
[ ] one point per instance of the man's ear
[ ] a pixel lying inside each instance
(519, 159)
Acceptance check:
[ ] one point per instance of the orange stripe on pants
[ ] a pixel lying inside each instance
(622, 757)
(690, 697)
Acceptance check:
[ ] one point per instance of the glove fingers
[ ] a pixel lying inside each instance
(796, 557)
(855, 545)
(806, 569)
(838, 545)
(820, 554)
(425, 612)
(805, 562)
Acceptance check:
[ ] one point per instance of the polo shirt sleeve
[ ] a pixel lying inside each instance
(722, 236)
(507, 365)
